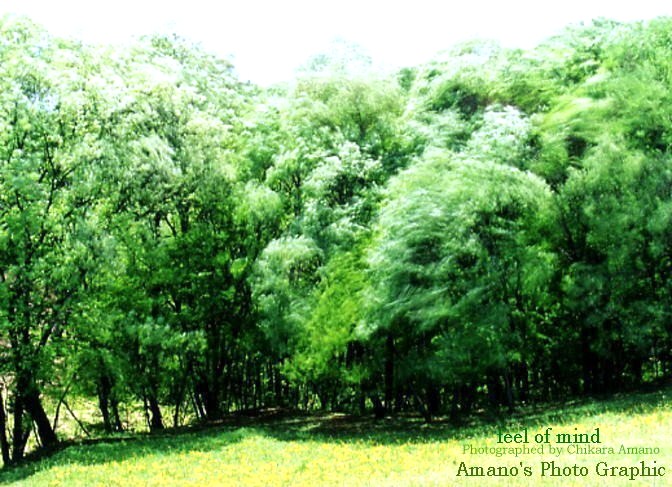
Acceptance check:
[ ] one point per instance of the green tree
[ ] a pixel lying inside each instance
(459, 276)
(50, 147)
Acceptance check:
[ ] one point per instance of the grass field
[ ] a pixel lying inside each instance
(294, 450)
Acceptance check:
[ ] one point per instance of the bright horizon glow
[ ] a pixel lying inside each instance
(268, 40)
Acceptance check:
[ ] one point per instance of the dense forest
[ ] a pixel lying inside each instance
(490, 229)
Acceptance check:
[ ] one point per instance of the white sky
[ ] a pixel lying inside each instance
(267, 40)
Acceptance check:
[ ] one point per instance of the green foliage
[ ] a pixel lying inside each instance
(284, 276)
(457, 268)
(488, 229)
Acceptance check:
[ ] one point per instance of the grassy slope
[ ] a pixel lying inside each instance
(334, 450)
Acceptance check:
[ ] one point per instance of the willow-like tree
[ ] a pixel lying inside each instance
(458, 275)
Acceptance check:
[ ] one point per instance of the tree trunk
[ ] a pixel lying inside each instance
(378, 408)
(389, 372)
(508, 389)
(156, 421)
(198, 405)
(176, 414)
(494, 391)
(361, 399)
(104, 402)
(4, 444)
(34, 407)
(455, 405)
(213, 409)
(18, 443)
(118, 427)
(433, 400)
(277, 386)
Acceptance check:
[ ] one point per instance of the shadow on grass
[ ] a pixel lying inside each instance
(413, 429)
(121, 448)
(285, 425)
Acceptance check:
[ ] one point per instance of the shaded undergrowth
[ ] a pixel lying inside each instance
(290, 426)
